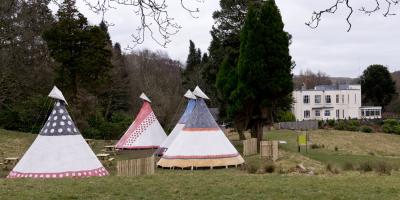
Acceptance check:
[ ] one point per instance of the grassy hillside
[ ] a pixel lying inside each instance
(233, 183)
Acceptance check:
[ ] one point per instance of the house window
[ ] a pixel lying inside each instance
(343, 98)
(337, 114)
(317, 113)
(317, 98)
(306, 99)
(337, 98)
(306, 114)
(327, 113)
(343, 114)
(348, 99)
(355, 99)
(328, 99)
(377, 112)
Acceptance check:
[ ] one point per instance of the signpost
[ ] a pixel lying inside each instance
(302, 140)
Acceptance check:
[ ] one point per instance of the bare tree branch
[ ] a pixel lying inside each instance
(317, 15)
(154, 17)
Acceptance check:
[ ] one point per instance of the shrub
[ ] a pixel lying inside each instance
(269, 167)
(286, 116)
(396, 129)
(386, 128)
(366, 167)
(353, 122)
(366, 129)
(383, 168)
(352, 128)
(331, 122)
(321, 124)
(340, 125)
(348, 166)
(251, 169)
(391, 122)
(333, 169)
(336, 148)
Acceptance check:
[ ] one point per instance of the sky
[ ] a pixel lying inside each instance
(329, 48)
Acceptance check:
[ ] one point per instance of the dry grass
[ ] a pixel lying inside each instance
(358, 143)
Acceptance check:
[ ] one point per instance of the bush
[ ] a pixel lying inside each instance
(353, 122)
(336, 148)
(383, 168)
(386, 128)
(366, 167)
(333, 169)
(286, 116)
(269, 167)
(251, 169)
(321, 124)
(391, 122)
(348, 166)
(352, 128)
(331, 122)
(396, 129)
(340, 125)
(366, 129)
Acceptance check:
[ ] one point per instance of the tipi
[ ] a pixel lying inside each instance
(145, 132)
(181, 123)
(201, 143)
(59, 150)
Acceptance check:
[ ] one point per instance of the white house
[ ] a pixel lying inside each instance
(332, 102)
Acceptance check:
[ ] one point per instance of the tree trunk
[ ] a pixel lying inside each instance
(241, 135)
(259, 131)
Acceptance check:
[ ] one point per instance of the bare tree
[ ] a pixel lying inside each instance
(386, 7)
(153, 14)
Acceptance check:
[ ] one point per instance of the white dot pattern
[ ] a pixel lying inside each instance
(59, 122)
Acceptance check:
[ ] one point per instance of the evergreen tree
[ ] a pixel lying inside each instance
(377, 86)
(80, 49)
(192, 75)
(224, 52)
(264, 68)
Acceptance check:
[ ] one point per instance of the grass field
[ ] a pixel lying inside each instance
(232, 183)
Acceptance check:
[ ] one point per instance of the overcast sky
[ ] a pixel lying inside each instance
(372, 40)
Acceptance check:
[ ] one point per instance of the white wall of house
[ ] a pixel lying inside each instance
(324, 103)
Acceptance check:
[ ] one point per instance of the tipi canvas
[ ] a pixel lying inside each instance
(59, 150)
(201, 143)
(181, 123)
(145, 132)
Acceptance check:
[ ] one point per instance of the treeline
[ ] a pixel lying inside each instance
(247, 71)
(100, 82)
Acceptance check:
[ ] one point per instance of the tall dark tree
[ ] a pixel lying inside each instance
(79, 48)
(264, 68)
(224, 51)
(192, 74)
(26, 72)
(377, 86)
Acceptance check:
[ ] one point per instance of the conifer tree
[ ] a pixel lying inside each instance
(264, 67)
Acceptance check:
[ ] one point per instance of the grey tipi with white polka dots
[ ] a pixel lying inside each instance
(59, 151)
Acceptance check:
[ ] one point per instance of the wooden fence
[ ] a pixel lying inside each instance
(250, 147)
(136, 167)
(269, 150)
(299, 125)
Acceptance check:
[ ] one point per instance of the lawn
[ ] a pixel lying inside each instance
(225, 183)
